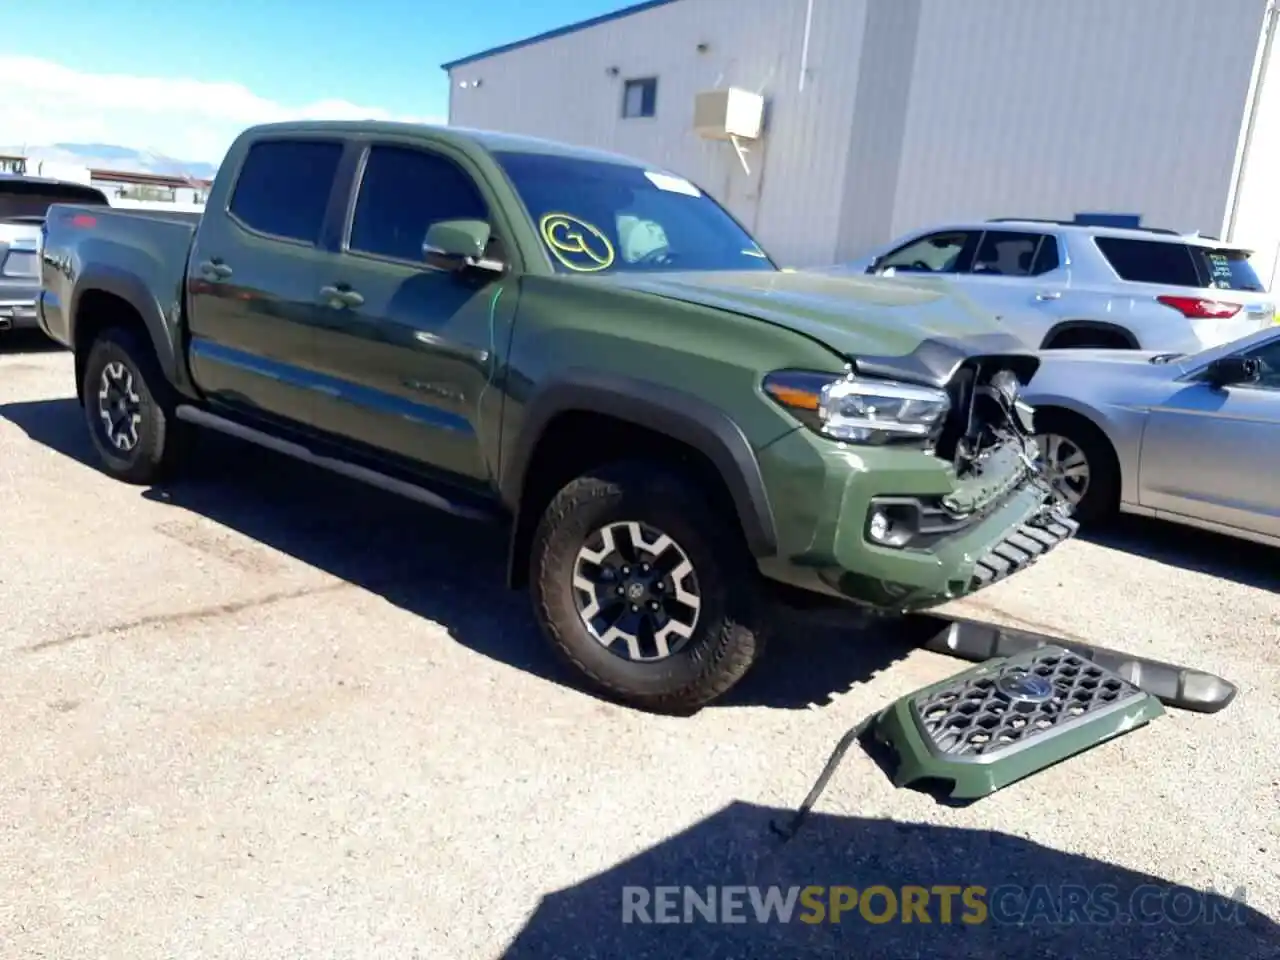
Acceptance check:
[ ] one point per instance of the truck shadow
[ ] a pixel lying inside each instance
(1039, 902)
(438, 567)
(1197, 551)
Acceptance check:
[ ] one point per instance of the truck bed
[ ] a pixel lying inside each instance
(151, 245)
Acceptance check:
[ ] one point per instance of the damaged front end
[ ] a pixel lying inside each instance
(997, 483)
(931, 489)
(988, 439)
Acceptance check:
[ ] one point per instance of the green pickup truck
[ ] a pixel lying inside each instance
(582, 347)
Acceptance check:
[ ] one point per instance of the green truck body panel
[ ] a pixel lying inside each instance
(454, 377)
(854, 316)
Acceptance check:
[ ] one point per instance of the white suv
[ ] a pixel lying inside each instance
(1062, 284)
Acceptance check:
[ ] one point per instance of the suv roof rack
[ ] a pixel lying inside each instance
(1076, 223)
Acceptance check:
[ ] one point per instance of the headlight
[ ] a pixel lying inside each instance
(859, 410)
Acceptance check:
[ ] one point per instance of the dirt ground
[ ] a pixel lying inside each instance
(268, 713)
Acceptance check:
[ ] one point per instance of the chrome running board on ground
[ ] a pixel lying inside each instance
(373, 478)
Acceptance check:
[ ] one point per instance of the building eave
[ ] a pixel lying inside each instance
(558, 32)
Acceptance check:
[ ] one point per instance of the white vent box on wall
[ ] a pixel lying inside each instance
(729, 113)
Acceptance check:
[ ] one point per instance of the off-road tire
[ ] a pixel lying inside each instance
(728, 637)
(1101, 499)
(163, 440)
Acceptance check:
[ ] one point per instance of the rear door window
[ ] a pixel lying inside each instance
(284, 186)
(1151, 261)
(1047, 256)
(1005, 253)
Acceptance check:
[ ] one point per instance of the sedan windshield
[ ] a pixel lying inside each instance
(600, 217)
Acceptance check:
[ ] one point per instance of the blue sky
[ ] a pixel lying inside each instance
(366, 54)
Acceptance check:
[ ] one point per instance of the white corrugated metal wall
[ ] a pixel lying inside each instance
(1047, 109)
(912, 111)
(560, 89)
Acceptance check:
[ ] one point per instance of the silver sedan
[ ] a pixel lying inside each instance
(1190, 438)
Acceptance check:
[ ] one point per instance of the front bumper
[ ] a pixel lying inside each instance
(966, 535)
(18, 314)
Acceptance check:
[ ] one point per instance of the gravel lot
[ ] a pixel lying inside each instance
(266, 713)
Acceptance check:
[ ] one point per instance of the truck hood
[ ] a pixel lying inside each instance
(885, 328)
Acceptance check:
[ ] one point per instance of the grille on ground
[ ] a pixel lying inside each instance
(1007, 718)
(988, 713)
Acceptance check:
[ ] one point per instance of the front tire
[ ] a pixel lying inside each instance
(646, 589)
(128, 409)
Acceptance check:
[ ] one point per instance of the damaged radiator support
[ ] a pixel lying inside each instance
(1030, 702)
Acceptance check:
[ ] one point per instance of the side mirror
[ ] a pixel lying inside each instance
(454, 244)
(1226, 371)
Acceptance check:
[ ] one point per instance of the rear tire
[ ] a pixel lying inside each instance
(129, 408)
(697, 591)
(1067, 439)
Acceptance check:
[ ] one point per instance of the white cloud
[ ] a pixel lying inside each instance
(44, 102)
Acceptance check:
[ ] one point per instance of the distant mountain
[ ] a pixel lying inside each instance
(109, 156)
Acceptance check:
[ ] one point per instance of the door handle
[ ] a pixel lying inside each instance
(340, 297)
(215, 269)
(1049, 295)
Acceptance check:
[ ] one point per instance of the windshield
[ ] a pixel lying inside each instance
(601, 217)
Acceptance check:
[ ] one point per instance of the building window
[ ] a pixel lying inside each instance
(640, 97)
(13, 165)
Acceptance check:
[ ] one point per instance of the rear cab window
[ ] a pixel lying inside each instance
(1170, 263)
(284, 188)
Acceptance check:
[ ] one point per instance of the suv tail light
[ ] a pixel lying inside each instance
(1197, 308)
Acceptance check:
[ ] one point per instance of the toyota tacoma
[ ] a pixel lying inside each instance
(584, 348)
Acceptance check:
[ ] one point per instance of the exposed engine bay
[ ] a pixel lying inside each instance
(987, 415)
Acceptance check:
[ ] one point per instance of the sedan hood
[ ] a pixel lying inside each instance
(1101, 376)
(1101, 355)
(886, 328)
(1060, 369)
